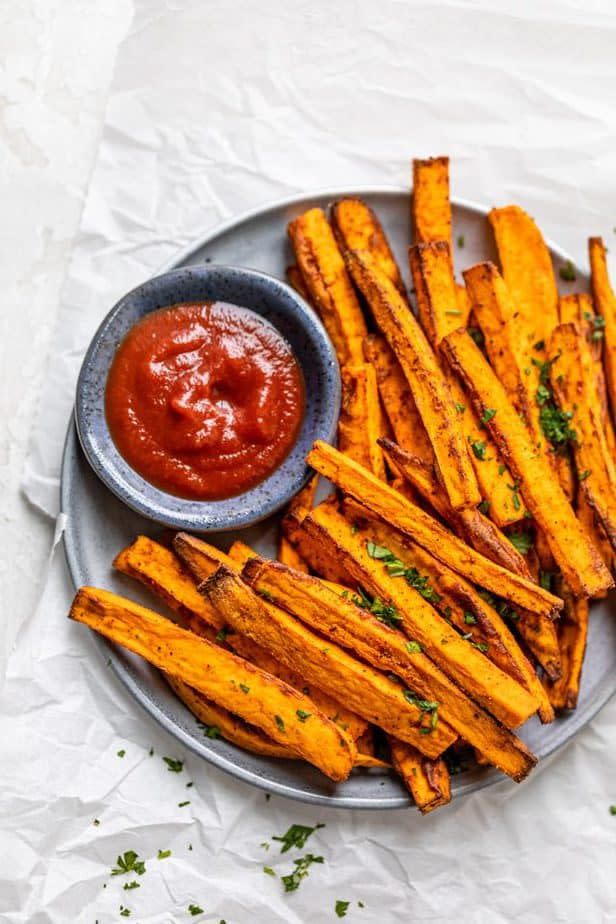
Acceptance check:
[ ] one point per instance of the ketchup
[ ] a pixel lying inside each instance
(204, 400)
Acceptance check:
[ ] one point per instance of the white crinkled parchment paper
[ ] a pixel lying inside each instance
(216, 107)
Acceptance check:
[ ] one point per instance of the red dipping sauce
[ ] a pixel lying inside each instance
(204, 400)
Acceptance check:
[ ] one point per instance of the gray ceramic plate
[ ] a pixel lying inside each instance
(99, 525)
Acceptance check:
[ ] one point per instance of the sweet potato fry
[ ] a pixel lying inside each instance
(464, 304)
(296, 280)
(201, 558)
(360, 426)
(422, 675)
(455, 656)
(471, 525)
(573, 631)
(160, 570)
(327, 281)
(431, 205)
(437, 303)
(460, 603)
(571, 376)
(227, 725)
(579, 561)
(425, 379)
(428, 781)
(527, 270)
(310, 551)
(257, 697)
(605, 306)
(392, 508)
(397, 399)
(590, 522)
(369, 693)
(287, 552)
(357, 228)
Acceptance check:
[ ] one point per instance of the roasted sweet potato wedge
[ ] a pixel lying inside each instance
(528, 272)
(369, 693)
(257, 697)
(428, 781)
(360, 425)
(357, 228)
(201, 558)
(327, 281)
(397, 399)
(571, 376)
(468, 719)
(579, 561)
(296, 280)
(605, 306)
(573, 631)
(431, 205)
(389, 506)
(423, 373)
(287, 552)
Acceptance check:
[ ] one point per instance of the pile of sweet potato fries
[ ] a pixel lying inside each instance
(439, 597)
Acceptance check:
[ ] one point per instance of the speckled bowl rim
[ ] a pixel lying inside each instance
(271, 494)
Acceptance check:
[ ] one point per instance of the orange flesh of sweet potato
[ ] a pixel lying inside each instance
(356, 227)
(579, 561)
(422, 371)
(387, 505)
(304, 499)
(359, 425)
(228, 725)
(605, 305)
(427, 781)
(471, 525)
(464, 304)
(431, 205)
(464, 715)
(201, 558)
(588, 519)
(328, 284)
(528, 273)
(296, 281)
(397, 399)
(367, 692)
(497, 692)
(161, 571)
(571, 377)
(464, 607)
(573, 632)
(269, 704)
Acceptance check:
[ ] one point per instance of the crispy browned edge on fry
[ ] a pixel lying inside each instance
(605, 305)
(356, 227)
(466, 716)
(327, 281)
(389, 506)
(368, 692)
(428, 781)
(579, 561)
(422, 371)
(269, 704)
(360, 424)
(286, 550)
(573, 631)
(431, 208)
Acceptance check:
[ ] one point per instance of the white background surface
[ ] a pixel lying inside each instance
(214, 108)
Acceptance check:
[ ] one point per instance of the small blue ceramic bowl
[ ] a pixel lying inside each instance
(298, 324)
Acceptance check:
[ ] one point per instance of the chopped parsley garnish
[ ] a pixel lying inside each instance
(182, 804)
(397, 568)
(131, 885)
(268, 871)
(341, 908)
(163, 854)
(121, 753)
(501, 606)
(425, 705)
(413, 647)
(173, 765)
(584, 475)
(266, 595)
(523, 542)
(484, 507)
(128, 863)
(598, 328)
(96, 822)
(296, 836)
(292, 880)
(279, 722)
(244, 688)
(554, 422)
(194, 910)
(384, 612)
(567, 272)
(221, 636)
(545, 579)
(302, 716)
(612, 809)
(125, 912)
(460, 240)
(488, 414)
(210, 731)
(454, 312)
(470, 619)
(477, 336)
(479, 448)
(460, 408)
(539, 345)
(480, 646)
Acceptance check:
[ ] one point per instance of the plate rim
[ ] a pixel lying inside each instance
(488, 777)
